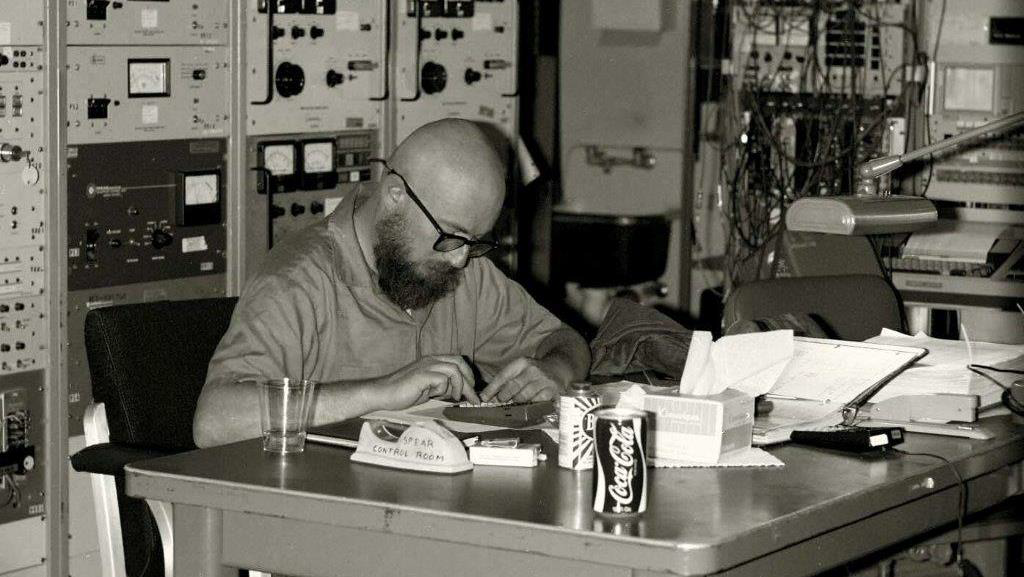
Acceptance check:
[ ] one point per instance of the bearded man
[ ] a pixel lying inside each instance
(385, 302)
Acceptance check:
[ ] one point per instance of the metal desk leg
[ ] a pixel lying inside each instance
(198, 537)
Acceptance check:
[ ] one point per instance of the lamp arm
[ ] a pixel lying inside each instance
(989, 129)
(878, 166)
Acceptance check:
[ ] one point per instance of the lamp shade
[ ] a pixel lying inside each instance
(861, 215)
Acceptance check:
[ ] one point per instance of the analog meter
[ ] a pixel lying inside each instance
(279, 159)
(318, 156)
(148, 78)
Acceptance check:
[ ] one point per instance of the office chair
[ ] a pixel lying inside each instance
(148, 364)
(848, 307)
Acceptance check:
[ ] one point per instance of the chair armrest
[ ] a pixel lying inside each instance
(110, 458)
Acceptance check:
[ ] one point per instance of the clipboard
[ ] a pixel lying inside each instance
(827, 382)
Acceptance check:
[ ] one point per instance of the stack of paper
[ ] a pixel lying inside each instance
(944, 370)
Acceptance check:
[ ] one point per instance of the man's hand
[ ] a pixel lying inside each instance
(445, 376)
(523, 380)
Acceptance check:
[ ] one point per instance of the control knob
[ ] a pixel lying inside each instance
(10, 153)
(334, 78)
(160, 238)
(433, 77)
(289, 79)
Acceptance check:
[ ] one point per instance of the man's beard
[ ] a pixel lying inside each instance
(400, 279)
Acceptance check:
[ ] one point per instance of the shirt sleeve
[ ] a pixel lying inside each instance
(509, 323)
(272, 334)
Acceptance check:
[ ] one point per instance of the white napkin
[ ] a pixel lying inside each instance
(749, 457)
(749, 362)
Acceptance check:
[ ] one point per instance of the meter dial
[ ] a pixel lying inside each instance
(318, 157)
(201, 189)
(149, 77)
(279, 159)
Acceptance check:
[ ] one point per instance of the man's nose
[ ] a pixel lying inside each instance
(458, 257)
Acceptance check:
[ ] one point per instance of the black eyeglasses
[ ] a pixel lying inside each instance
(446, 241)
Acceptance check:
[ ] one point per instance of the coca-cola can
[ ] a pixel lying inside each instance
(620, 464)
(626, 525)
(576, 427)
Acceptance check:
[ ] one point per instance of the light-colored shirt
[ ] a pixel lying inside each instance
(315, 311)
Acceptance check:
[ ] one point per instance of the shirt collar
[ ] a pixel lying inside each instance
(350, 265)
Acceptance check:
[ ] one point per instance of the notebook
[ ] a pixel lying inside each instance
(826, 381)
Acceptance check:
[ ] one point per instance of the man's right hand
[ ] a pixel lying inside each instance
(444, 376)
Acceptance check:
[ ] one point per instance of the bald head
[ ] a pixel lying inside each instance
(456, 170)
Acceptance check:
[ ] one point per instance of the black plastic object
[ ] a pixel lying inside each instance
(513, 416)
(433, 77)
(608, 251)
(290, 79)
(852, 439)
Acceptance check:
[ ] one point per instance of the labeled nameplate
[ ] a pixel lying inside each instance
(425, 446)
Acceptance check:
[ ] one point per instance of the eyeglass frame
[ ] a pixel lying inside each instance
(486, 246)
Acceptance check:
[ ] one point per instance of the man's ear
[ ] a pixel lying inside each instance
(389, 194)
(393, 190)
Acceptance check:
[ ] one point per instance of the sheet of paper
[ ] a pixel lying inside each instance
(837, 372)
(750, 457)
(789, 416)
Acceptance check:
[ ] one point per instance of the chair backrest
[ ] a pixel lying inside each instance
(854, 307)
(148, 364)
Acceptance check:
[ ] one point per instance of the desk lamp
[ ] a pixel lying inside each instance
(868, 212)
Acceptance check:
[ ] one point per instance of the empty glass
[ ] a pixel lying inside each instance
(284, 412)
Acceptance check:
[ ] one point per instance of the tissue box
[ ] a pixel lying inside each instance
(701, 429)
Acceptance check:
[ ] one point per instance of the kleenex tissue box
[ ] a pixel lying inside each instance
(701, 429)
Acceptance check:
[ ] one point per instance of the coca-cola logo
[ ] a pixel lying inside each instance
(620, 447)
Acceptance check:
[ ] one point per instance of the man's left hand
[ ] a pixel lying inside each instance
(522, 380)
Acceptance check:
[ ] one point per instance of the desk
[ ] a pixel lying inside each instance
(317, 513)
